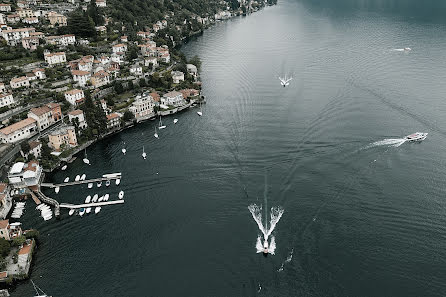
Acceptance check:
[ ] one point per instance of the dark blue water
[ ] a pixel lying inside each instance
(363, 217)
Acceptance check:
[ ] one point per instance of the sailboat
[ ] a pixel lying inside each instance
(156, 134)
(39, 291)
(86, 161)
(161, 126)
(124, 150)
(200, 113)
(175, 121)
(64, 167)
(144, 155)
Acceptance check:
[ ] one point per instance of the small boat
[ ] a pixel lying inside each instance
(144, 155)
(101, 199)
(57, 189)
(156, 134)
(175, 121)
(64, 167)
(71, 212)
(106, 196)
(86, 161)
(39, 291)
(265, 247)
(87, 200)
(95, 198)
(97, 209)
(107, 183)
(90, 185)
(83, 177)
(417, 136)
(121, 195)
(118, 181)
(77, 178)
(67, 179)
(88, 210)
(81, 211)
(124, 151)
(161, 126)
(200, 113)
(407, 49)
(99, 184)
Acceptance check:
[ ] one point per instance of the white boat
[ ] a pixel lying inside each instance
(64, 167)
(99, 184)
(88, 199)
(86, 161)
(90, 185)
(81, 211)
(407, 49)
(118, 181)
(88, 210)
(95, 198)
(121, 195)
(97, 209)
(106, 196)
(124, 151)
(200, 113)
(417, 136)
(285, 81)
(67, 179)
(175, 121)
(77, 178)
(156, 134)
(144, 155)
(39, 291)
(57, 189)
(71, 212)
(101, 199)
(161, 126)
(107, 183)
(83, 176)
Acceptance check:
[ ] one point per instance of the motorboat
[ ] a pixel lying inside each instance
(107, 183)
(57, 189)
(118, 181)
(417, 136)
(67, 179)
(90, 185)
(144, 155)
(285, 81)
(97, 209)
(106, 196)
(99, 184)
(156, 134)
(83, 176)
(123, 151)
(95, 198)
(64, 167)
(77, 178)
(265, 247)
(88, 210)
(87, 200)
(407, 49)
(161, 126)
(121, 195)
(101, 199)
(200, 113)
(86, 161)
(175, 121)
(71, 212)
(81, 211)
(39, 291)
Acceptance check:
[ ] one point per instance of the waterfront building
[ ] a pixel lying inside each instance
(56, 111)
(18, 131)
(173, 98)
(143, 106)
(192, 70)
(124, 38)
(19, 82)
(65, 135)
(79, 115)
(81, 77)
(23, 175)
(12, 18)
(55, 58)
(61, 40)
(113, 120)
(177, 77)
(6, 99)
(27, 13)
(75, 96)
(30, 21)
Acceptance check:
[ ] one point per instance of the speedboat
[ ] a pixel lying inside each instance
(71, 212)
(121, 195)
(124, 151)
(99, 184)
(97, 209)
(88, 210)
(83, 176)
(101, 199)
(57, 189)
(67, 179)
(87, 200)
(156, 134)
(175, 121)
(95, 198)
(417, 136)
(107, 183)
(106, 196)
(265, 247)
(118, 181)
(144, 155)
(86, 161)
(77, 178)
(64, 167)
(407, 49)
(161, 126)
(81, 211)
(90, 185)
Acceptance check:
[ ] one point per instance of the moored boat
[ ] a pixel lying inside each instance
(71, 212)
(118, 181)
(64, 167)
(90, 185)
(88, 210)
(121, 195)
(81, 211)
(107, 183)
(83, 176)
(106, 196)
(97, 209)
(77, 178)
(67, 179)
(87, 200)
(99, 184)
(95, 198)
(57, 189)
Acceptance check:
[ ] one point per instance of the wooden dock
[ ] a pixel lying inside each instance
(105, 177)
(94, 204)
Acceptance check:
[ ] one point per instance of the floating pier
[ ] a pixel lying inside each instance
(94, 204)
(105, 177)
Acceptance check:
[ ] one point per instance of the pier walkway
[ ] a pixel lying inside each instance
(105, 177)
(94, 204)
(49, 201)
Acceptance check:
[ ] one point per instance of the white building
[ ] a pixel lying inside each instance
(81, 77)
(150, 60)
(6, 99)
(119, 48)
(5, 7)
(14, 36)
(192, 69)
(61, 40)
(19, 82)
(55, 58)
(177, 77)
(39, 73)
(100, 78)
(101, 3)
(75, 96)
(173, 98)
(43, 115)
(79, 115)
(113, 120)
(136, 69)
(24, 174)
(18, 131)
(142, 107)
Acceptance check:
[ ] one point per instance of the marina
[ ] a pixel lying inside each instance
(106, 177)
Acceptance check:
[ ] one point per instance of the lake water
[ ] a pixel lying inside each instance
(364, 215)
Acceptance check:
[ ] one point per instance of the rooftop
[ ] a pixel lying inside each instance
(4, 224)
(17, 126)
(76, 112)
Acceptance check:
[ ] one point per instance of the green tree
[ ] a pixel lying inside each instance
(128, 116)
(18, 241)
(4, 247)
(25, 147)
(95, 13)
(80, 23)
(119, 89)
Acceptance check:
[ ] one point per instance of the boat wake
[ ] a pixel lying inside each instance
(275, 215)
(395, 142)
(287, 260)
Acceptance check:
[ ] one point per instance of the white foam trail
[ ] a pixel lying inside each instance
(276, 214)
(287, 260)
(259, 246)
(398, 49)
(272, 246)
(395, 142)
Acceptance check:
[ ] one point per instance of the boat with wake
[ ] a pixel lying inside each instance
(416, 137)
